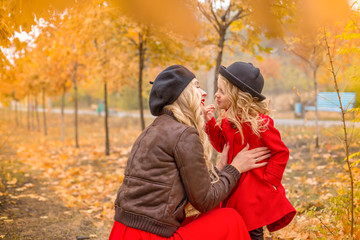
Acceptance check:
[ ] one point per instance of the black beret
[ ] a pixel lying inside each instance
(168, 86)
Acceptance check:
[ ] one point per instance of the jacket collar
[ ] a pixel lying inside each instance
(167, 112)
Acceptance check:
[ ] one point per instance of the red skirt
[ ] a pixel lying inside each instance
(218, 224)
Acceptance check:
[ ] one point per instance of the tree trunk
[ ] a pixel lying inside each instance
(44, 111)
(316, 109)
(16, 114)
(28, 113)
(20, 113)
(62, 114)
(107, 142)
(32, 114)
(9, 114)
(221, 45)
(345, 141)
(37, 114)
(76, 105)
(141, 68)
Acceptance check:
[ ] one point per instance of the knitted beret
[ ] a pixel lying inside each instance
(168, 86)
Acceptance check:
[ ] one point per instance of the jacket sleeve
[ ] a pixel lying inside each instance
(279, 154)
(215, 134)
(189, 157)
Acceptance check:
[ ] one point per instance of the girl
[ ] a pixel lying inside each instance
(168, 168)
(259, 197)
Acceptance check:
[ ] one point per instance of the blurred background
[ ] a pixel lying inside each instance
(58, 54)
(74, 88)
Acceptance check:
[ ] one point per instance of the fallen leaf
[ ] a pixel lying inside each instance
(13, 181)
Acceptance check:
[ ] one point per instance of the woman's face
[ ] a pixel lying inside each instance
(222, 99)
(202, 92)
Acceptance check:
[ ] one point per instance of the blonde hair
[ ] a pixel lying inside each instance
(187, 110)
(244, 108)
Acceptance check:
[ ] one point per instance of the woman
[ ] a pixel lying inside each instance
(169, 166)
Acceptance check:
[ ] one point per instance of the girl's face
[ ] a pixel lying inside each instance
(202, 92)
(222, 99)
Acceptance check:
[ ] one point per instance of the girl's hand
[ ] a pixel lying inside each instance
(224, 157)
(247, 159)
(209, 112)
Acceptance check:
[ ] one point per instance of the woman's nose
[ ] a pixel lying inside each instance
(203, 93)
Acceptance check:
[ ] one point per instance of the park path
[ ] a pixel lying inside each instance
(30, 210)
(282, 122)
(278, 121)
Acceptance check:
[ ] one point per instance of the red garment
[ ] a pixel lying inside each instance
(255, 196)
(218, 224)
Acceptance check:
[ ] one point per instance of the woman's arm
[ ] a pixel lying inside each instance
(203, 194)
(224, 157)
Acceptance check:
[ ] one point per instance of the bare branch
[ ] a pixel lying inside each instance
(214, 15)
(209, 18)
(237, 16)
(226, 13)
(132, 41)
(302, 57)
(324, 225)
(346, 143)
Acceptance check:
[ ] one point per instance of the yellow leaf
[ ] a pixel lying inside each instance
(13, 181)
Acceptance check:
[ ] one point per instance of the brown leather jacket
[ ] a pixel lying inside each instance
(166, 169)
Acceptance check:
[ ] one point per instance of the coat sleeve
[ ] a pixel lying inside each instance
(279, 154)
(189, 157)
(215, 134)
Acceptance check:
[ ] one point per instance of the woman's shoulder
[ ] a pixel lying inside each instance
(169, 123)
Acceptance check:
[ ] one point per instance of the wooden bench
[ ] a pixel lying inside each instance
(329, 102)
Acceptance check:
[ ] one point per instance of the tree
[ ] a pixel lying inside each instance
(340, 45)
(334, 40)
(108, 57)
(18, 15)
(221, 18)
(156, 31)
(305, 36)
(240, 23)
(70, 42)
(310, 49)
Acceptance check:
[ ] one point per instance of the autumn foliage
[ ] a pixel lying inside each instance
(93, 51)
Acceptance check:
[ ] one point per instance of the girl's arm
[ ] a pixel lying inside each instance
(215, 134)
(279, 153)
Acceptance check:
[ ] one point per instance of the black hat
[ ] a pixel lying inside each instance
(168, 86)
(246, 77)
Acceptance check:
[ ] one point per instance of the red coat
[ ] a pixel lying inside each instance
(255, 197)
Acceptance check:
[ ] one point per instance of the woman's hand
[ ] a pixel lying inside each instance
(209, 112)
(247, 159)
(224, 157)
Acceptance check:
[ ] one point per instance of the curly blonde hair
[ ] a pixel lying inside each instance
(244, 108)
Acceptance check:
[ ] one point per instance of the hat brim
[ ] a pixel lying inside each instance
(240, 84)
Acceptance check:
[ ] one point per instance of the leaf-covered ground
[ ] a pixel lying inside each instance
(52, 190)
